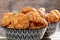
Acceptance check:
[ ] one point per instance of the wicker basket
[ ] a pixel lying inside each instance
(51, 29)
(13, 34)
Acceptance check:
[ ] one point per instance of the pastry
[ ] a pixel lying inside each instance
(20, 21)
(27, 9)
(6, 19)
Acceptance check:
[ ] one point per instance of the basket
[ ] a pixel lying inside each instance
(14, 34)
(51, 29)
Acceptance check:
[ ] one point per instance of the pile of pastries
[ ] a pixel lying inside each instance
(29, 18)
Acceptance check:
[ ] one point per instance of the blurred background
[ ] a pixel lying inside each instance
(15, 5)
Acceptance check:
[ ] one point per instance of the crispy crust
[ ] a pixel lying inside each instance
(33, 16)
(41, 23)
(51, 18)
(27, 9)
(41, 12)
(56, 12)
(6, 19)
(20, 21)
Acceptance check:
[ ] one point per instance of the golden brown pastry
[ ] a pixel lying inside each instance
(51, 18)
(20, 21)
(33, 15)
(56, 12)
(27, 9)
(6, 19)
(41, 11)
(41, 23)
(29, 18)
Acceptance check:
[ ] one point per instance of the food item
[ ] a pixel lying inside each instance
(41, 11)
(6, 19)
(20, 21)
(29, 18)
(56, 12)
(33, 16)
(41, 23)
(27, 9)
(51, 18)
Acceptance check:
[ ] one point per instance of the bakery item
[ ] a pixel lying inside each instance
(39, 24)
(6, 19)
(56, 12)
(41, 11)
(20, 21)
(51, 18)
(27, 9)
(33, 16)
